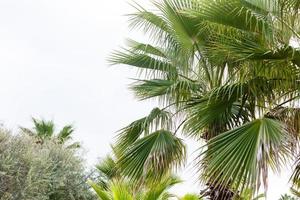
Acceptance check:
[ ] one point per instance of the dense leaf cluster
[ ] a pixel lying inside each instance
(30, 170)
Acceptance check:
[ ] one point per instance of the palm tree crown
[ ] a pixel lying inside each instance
(113, 184)
(225, 72)
(45, 130)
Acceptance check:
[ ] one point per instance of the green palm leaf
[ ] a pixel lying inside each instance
(43, 129)
(102, 194)
(168, 91)
(121, 191)
(158, 152)
(295, 191)
(141, 61)
(157, 118)
(157, 190)
(207, 118)
(241, 157)
(107, 167)
(146, 49)
(150, 22)
(65, 133)
(231, 13)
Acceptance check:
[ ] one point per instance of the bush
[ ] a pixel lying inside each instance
(30, 170)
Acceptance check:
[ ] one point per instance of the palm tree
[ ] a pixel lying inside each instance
(45, 130)
(225, 72)
(112, 183)
(125, 190)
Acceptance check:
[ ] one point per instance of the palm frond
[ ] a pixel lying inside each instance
(291, 117)
(181, 31)
(156, 119)
(65, 133)
(231, 13)
(158, 152)
(241, 157)
(121, 191)
(142, 61)
(146, 48)
(43, 129)
(158, 190)
(107, 167)
(207, 118)
(102, 194)
(168, 91)
(295, 192)
(151, 23)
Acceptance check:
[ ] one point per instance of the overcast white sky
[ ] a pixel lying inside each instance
(53, 65)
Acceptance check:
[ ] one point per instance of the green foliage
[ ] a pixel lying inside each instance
(130, 134)
(287, 197)
(249, 149)
(226, 72)
(190, 197)
(247, 194)
(121, 189)
(108, 170)
(157, 152)
(113, 183)
(34, 171)
(45, 130)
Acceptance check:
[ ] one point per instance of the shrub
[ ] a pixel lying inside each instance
(33, 171)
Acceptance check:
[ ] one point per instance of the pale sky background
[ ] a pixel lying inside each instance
(53, 65)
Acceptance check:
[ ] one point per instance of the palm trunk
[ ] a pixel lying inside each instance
(216, 191)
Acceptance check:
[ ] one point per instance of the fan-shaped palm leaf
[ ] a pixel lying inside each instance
(158, 152)
(167, 90)
(123, 190)
(43, 129)
(65, 133)
(128, 135)
(246, 153)
(158, 190)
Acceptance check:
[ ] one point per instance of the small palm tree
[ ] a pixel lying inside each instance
(45, 130)
(125, 190)
(112, 183)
